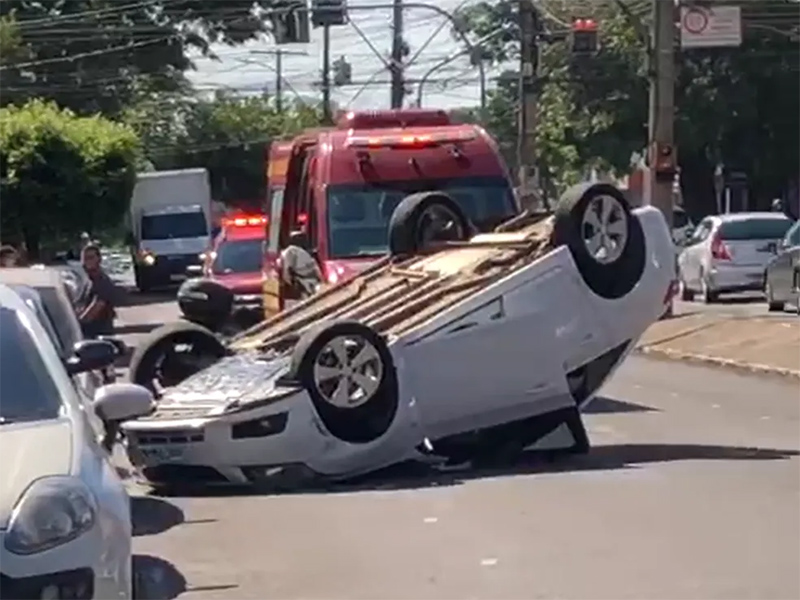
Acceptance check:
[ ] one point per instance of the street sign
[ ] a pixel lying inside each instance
(711, 27)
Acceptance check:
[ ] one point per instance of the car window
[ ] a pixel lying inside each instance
(27, 388)
(701, 232)
(275, 211)
(754, 229)
(47, 322)
(793, 235)
(238, 256)
(358, 215)
(174, 225)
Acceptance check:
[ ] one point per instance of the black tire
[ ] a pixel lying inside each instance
(205, 302)
(687, 295)
(146, 359)
(408, 224)
(364, 422)
(612, 279)
(142, 280)
(709, 296)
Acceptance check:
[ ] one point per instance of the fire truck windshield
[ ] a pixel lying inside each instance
(358, 215)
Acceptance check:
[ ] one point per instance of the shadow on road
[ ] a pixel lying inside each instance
(156, 579)
(416, 475)
(151, 516)
(602, 405)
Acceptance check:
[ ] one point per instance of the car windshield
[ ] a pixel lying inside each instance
(27, 389)
(358, 215)
(754, 229)
(174, 225)
(238, 256)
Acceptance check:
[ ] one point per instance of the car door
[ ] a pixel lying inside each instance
(690, 260)
(782, 271)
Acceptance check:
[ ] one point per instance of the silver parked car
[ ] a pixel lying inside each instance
(729, 253)
(782, 279)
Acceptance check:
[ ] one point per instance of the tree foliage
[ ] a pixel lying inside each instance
(226, 134)
(740, 105)
(89, 55)
(61, 173)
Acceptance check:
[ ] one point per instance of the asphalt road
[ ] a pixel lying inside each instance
(691, 491)
(747, 304)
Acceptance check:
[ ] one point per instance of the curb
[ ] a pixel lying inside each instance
(700, 359)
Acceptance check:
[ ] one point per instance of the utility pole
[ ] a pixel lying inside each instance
(662, 160)
(279, 81)
(396, 64)
(327, 113)
(528, 93)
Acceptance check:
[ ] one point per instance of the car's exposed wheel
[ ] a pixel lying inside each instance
(709, 295)
(349, 374)
(423, 219)
(687, 295)
(171, 353)
(142, 280)
(205, 302)
(772, 304)
(607, 242)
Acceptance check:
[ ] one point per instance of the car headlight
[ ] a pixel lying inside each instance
(51, 512)
(149, 260)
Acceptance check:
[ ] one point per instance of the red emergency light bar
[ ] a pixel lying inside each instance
(584, 25)
(244, 221)
(411, 141)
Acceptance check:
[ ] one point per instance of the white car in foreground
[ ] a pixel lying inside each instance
(446, 350)
(65, 528)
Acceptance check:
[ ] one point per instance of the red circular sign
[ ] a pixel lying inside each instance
(695, 20)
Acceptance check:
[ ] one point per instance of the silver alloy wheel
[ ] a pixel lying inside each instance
(438, 223)
(348, 371)
(605, 229)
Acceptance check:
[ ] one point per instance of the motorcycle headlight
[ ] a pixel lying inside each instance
(51, 512)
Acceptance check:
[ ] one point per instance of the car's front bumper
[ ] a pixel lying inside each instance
(239, 448)
(94, 565)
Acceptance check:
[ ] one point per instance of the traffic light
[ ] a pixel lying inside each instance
(290, 22)
(584, 36)
(328, 12)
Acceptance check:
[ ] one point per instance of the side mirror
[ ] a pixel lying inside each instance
(91, 355)
(117, 402)
(120, 346)
(194, 271)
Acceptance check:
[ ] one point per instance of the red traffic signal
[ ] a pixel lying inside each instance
(584, 25)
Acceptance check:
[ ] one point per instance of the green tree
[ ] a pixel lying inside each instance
(89, 55)
(61, 173)
(738, 105)
(226, 134)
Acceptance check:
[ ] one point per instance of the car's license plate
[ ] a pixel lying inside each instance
(162, 454)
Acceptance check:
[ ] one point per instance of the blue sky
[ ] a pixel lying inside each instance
(243, 69)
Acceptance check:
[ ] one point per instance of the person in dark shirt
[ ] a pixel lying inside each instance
(97, 300)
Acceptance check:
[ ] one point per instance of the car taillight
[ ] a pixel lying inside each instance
(719, 251)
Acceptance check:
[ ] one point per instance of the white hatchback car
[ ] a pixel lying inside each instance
(65, 523)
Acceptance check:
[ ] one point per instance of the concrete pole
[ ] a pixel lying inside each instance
(662, 104)
(528, 93)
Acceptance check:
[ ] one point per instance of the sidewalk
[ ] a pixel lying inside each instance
(768, 345)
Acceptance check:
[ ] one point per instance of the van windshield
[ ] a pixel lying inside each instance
(174, 226)
(358, 215)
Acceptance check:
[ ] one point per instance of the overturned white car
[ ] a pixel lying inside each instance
(444, 348)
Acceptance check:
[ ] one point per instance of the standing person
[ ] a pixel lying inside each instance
(9, 257)
(97, 300)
